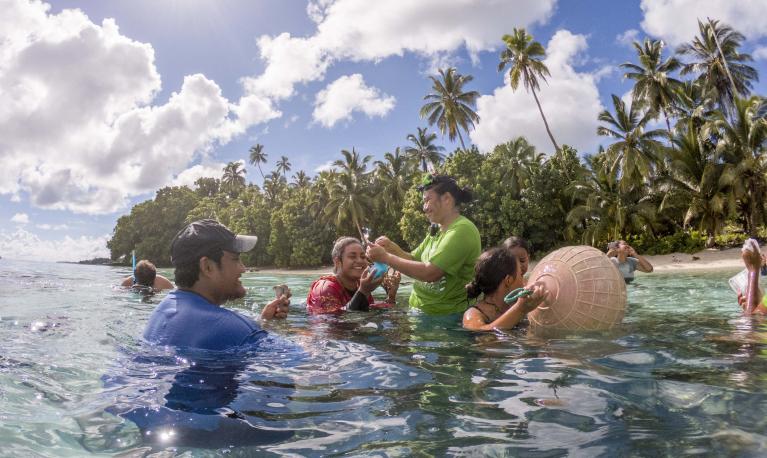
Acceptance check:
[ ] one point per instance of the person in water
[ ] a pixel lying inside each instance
(145, 275)
(206, 257)
(752, 300)
(496, 274)
(351, 284)
(627, 260)
(521, 250)
(444, 262)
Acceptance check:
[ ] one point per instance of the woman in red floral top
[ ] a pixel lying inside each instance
(352, 282)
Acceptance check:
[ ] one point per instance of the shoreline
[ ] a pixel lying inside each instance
(706, 260)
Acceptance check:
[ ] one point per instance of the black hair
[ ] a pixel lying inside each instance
(441, 184)
(187, 274)
(514, 242)
(144, 273)
(491, 268)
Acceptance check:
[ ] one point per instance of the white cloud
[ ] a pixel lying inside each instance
(326, 167)
(77, 128)
(52, 227)
(570, 102)
(190, 175)
(760, 53)
(23, 244)
(347, 94)
(20, 218)
(676, 21)
(372, 31)
(628, 37)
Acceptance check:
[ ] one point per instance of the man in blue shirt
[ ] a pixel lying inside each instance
(206, 257)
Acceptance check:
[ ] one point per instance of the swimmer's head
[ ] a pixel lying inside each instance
(442, 184)
(521, 249)
(145, 273)
(494, 267)
(348, 257)
(442, 197)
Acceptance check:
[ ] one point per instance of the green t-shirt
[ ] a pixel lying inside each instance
(454, 251)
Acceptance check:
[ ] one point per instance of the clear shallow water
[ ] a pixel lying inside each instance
(685, 374)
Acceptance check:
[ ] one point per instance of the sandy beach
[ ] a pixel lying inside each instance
(713, 259)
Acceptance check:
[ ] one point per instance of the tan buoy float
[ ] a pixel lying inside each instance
(586, 291)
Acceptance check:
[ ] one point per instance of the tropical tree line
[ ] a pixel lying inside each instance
(683, 166)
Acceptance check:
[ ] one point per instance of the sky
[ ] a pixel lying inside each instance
(103, 103)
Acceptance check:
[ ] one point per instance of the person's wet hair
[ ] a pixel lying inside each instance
(340, 246)
(517, 242)
(145, 273)
(187, 274)
(441, 184)
(491, 268)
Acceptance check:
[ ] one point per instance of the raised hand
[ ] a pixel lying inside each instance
(367, 282)
(531, 302)
(277, 309)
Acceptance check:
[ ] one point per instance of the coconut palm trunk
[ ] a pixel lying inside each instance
(460, 137)
(545, 122)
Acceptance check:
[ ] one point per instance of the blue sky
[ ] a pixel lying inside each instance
(105, 102)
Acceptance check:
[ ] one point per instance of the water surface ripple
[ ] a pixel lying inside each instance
(685, 373)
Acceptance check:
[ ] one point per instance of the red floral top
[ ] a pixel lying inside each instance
(328, 295)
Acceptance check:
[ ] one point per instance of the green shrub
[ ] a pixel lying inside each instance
(679, 242)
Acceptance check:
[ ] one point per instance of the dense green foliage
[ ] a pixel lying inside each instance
(699, 181)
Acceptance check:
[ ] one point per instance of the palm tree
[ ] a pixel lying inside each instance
(722, 69)
(393, 173)
(274, 184)
(634, 151)
(517, 157)
(653, 87)
(301, 179)
(423, 150)
(283, 165)
(449, 106)
(698, 182)
(349, 198)
(742, 144)
(233, 178)
(606, 211)
(258, 157)
(525, 59)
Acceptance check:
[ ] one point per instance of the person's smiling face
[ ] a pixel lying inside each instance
(435, 206)
(352, 262)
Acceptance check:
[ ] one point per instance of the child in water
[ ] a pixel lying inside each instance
(496, 274)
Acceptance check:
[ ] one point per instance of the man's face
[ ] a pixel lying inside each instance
(226, 278)
(352, 262)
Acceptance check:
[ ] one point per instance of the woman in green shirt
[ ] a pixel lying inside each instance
(444, 262)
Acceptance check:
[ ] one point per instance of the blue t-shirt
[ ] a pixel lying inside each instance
(186, 319)
(626, 268)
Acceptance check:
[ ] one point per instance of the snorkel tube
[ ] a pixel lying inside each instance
(133, 270)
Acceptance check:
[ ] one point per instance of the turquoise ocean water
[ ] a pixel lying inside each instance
(684, 375)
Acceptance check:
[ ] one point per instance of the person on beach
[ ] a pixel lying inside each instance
(627, 260)
(444, 262)
(351, 284)
(145, 276)
(206, 257)
(496, 274)
(521, 250)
